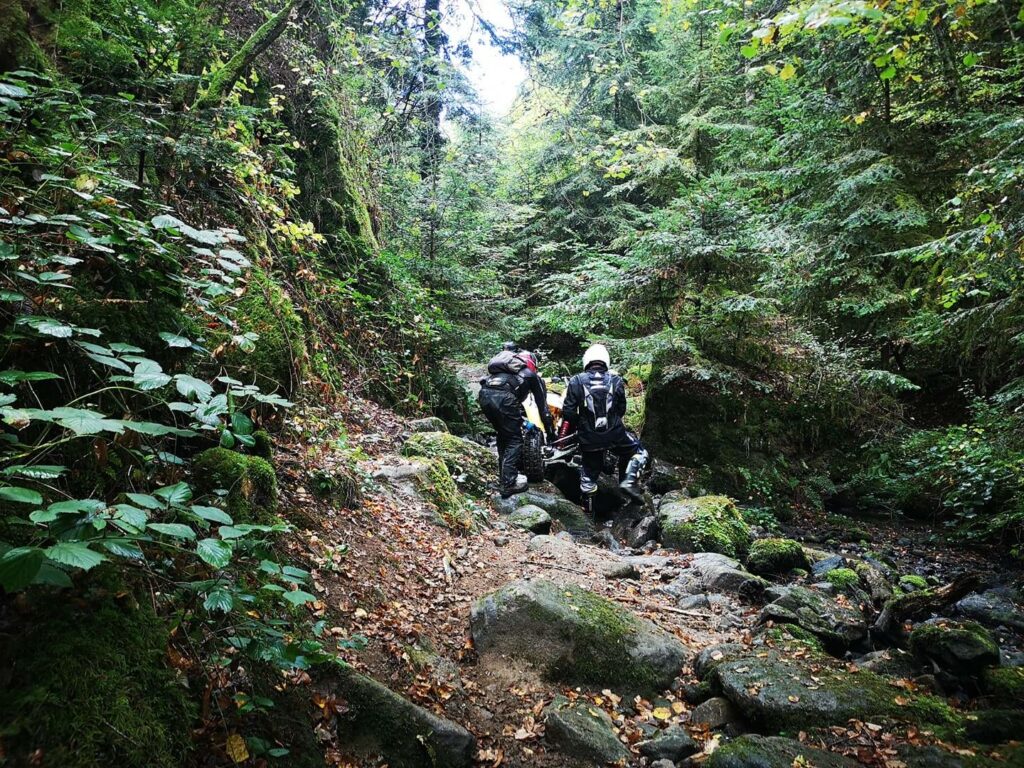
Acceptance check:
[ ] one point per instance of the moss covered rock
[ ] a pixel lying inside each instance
(582, 731)
(961, 648)
(470, 464)
(703, 524)
(994, 726)
(560, 508)
(530, 518)
(380, 722)
(792, 686)
(752, 751)
(776, 556)
(438, 488)
(572, 635)
(843, 578)
(88, 685)
(911, 582)
(428, 424)
(838, 624)
(250, 483)
(1004, 687)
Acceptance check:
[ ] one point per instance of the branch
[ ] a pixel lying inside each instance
(224, 79)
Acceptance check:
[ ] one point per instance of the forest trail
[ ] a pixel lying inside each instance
(391, 572)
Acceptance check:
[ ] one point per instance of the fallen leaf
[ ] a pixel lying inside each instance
(236, 748)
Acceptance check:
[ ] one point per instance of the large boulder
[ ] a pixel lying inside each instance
(673, 743)
(960, 648)
(753, 751)
(768, 556)
(582, 731)
(572, 635)
(835, 621)
(380, 722)
(792, 685)
(471, 465)
(712, 572)
(428, 424)
(560, 508)
(703, 524)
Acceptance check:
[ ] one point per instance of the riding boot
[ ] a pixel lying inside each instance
(630, 484)
(588, 508)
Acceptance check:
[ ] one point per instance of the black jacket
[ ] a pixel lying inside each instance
(576, 412)
(522, 385)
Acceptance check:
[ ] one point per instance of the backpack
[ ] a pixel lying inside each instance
(503, 372)
(599, 397)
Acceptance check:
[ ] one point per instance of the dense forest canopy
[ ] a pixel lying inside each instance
(230, 227)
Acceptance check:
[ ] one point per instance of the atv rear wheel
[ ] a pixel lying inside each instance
(533, 455)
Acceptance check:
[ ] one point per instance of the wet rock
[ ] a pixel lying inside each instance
(471, 465)
(754, 751)
(839, 625)
(820, 567)
(560, 508)
(994, 608)
(714, 713)
(530, 518)
(572, 635)
(960, 648)
(711, 572)
(644, 531)
(768, 556)
(582, 731)
(673, 744)
(429, 424)
(379, 721)
(703, 524)
(794, 686)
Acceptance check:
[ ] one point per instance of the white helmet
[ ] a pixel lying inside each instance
(598, 353)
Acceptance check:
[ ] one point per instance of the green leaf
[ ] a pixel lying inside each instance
(35, 471)
(190, 386)
(298, 597)
(175, 341)
(12, 91)
(19, 566)
(124, 548)
(219, 600)
(145, 500)
(231, 532)
(970, 59)
(13, 377)
(84, 422)
(749, 51)
(888, 73)
(133, 517)
(20, 495)
(177, 494)
(227, 440)
(75, 554)
(175, 530)
(213, 514)
(149, 375)
(215, 552)
(241, 424)
(52, 576)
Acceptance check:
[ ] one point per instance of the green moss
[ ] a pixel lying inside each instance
(340, 486)
(279, 356)
(912, 579)
(17, 48)
(705, 524)
(249, 480)
(471, 463)
(788, 633)
(775, 556)
(89, 686)
(439, 489)
(264, 447)
(598, 641)
(964, 646)
(1004, 686)
(842, 578)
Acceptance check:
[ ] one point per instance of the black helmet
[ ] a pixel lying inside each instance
(510, 346)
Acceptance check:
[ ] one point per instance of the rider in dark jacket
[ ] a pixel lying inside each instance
(512, 377)
(595, 404)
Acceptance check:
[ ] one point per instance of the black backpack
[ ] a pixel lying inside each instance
(503, 372)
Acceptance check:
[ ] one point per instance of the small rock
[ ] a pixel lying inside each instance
(671, 744)
(663, 764)
(712, 572)
(821, 567)
(501, 541)
(621, 571)
(429, 424)
(582, 731)
(837, 624)
(891, 662)
(604, 538)
(995, 726)
(714, 713)
(530, 518)
(644, 531)
(500, 526)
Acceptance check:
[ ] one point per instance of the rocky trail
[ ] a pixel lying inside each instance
(677, 634)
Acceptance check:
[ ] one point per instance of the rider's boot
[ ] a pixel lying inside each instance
(588, 509)
(511, 490)
(630, 484)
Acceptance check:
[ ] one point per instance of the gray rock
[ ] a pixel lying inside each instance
(994, 607)
(821, 567)
(531, 518)
(573, 635)
(604, 538)
(429, 424)
(644, 531)
(714, 713)
(960, 648)
(582, 731)
(891, 662)
(501, 541)
(665, 478)
(560, 508)
(379, 721)
(711, 572)
(621, 570)
(754, 751)
(673, 744)
(876, 581)
(708, 659)
(663, 764)
(837, 624)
